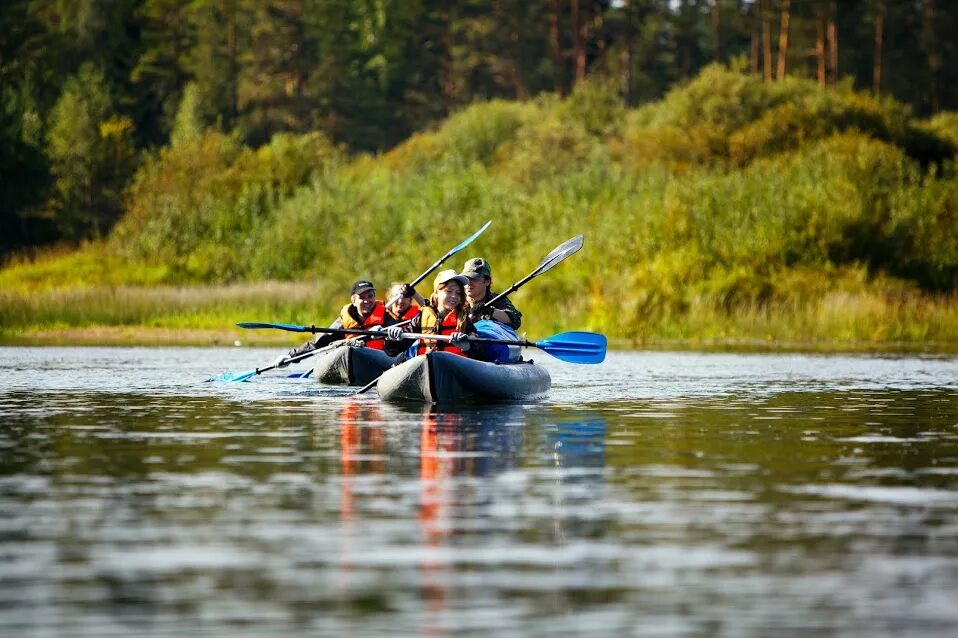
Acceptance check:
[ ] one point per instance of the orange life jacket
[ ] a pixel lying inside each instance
(411, 312)
(450, 324)
(376, 318)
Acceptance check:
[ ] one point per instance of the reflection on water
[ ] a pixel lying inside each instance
(729, 502)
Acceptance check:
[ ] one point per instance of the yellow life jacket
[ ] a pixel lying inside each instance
(449, 325)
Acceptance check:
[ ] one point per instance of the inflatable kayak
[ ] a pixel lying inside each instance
(346, 365)
(442, 377)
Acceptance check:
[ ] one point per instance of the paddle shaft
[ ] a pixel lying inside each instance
(508, 342)
(415, 335)
(440, 261)
(338, 344)
(559, 253)
(296, 359)
(511, 289)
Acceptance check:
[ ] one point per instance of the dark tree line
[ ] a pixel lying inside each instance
(87, 85)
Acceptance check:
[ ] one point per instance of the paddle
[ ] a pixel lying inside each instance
(574, 347)
(442, 259)
(558, 254)
(563, 250)
(244, 376)
(292, 327)
(571, 347)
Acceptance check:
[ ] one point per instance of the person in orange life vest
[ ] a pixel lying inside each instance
(446, 315)
(479, 290)
(403, 309)
(364, 312)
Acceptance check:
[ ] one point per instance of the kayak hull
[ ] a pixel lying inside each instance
(346, 365)
(442, 377)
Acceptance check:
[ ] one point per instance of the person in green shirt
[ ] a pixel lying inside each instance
(479, 290)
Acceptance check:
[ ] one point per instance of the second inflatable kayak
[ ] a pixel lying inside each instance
(347, 365)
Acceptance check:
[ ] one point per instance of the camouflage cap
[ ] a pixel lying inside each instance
(477, 267)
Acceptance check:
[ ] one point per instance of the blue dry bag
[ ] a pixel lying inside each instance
(498, 352)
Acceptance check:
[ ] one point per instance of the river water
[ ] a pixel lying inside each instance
(672, 494)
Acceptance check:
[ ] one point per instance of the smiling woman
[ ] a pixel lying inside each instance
(445, 315)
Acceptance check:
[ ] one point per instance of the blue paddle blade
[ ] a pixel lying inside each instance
(468, 241)
(575, 347)
(238, 376)
(299, 375)
(291, 327)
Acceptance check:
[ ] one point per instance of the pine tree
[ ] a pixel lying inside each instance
(91, 152)
(160, 73)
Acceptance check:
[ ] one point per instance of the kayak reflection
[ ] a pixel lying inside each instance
(456, 445)
(454, 469)
(362, 443)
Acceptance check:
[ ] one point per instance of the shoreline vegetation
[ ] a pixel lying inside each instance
(731, 215)
(204, 315)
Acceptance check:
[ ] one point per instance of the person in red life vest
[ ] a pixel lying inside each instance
(446, 315)
(479, 290)
(403, 308)
(364, 312)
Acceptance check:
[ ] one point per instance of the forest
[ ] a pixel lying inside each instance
(770, 170)
(89, 88)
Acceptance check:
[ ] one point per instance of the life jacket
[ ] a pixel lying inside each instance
(411, 312)
(450, 324)
(376, 318)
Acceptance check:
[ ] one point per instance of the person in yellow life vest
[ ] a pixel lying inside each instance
(364, 312)
(403, 308)
(446, 315)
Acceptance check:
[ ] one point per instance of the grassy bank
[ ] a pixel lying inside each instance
(848, 320)
(126, 315)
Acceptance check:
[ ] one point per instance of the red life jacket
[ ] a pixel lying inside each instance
(411, 312)
(450, 324)
(376, 318)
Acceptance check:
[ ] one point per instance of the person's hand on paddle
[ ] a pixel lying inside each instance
(394, 333)
(461, 341)
(407, 291)
(482, 312)
(281, 362)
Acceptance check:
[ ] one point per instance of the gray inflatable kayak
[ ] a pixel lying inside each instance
(346, 365)
(441, 377)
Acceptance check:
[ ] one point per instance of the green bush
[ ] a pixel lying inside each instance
(213, 190)
(725, 117)
(923, 229)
